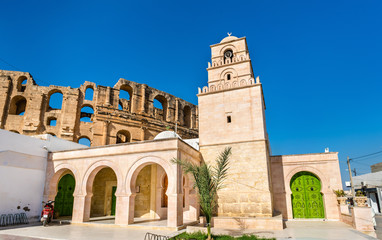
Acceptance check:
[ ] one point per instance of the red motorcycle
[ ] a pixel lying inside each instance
(47, 213)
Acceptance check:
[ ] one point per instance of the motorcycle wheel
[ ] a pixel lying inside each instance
(44, 223)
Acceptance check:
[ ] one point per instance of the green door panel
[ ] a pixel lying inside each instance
(306, 196)
(64, 198)
(113, 200)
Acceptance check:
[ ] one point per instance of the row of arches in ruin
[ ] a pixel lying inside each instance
(19, 103)
(122, 136)
(55, 101)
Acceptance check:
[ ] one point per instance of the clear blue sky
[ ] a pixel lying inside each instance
(320, 62)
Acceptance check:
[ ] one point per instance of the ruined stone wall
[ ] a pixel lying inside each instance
(137, 119)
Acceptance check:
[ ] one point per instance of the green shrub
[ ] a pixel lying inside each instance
(359, 193)
(339, 193)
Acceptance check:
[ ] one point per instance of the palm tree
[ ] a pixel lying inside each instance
(208, 180)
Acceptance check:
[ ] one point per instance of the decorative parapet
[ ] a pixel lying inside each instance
(237, 58)
(227, 85)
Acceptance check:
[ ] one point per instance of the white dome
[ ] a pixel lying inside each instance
(228, 39)
(167, 134)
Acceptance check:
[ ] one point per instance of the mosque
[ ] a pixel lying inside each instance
(127, 172)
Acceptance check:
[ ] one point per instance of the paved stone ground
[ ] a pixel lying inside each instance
(378, 219)
(295, 230)
(74, 232)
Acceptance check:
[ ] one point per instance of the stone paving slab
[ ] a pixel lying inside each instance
(310, 230)
(76, 232)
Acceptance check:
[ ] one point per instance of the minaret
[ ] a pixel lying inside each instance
(231, 113)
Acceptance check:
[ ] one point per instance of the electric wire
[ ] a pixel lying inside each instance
(367, 155)
(18, 69)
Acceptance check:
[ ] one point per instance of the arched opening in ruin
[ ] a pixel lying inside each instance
(55, 100)
(14, 131)
(123, 136)
(51, 121)
(18, 105)
(103, 188)
(187, 116)
(21, 83)
(89, 93)
(160, 107)
(87, 113)
(84, 141)
(125, 95)
(51, 134)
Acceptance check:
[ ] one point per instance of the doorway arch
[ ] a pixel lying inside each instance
(307, 200)
(159, 167)
(64, 198)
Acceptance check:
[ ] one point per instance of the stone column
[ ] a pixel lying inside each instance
(133, 98)
(81, 208)
(288, 199)
(5, 92)
(176, 110)
(153, 194)
(143, 99)
(105, 132)
(124, 210)
(143, 129)
(175, 210)
(107, 96)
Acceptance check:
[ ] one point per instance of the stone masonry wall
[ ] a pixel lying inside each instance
(246, 192)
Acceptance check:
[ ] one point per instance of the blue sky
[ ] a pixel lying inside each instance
(319, 61)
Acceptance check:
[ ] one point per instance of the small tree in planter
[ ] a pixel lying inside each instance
(360, 199)
(208, 180)
(341, 196)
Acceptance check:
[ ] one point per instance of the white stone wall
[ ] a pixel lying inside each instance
(23, 162)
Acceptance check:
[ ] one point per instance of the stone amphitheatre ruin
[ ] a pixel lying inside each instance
(112, 119)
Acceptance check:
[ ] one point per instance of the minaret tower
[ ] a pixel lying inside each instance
(231, 113)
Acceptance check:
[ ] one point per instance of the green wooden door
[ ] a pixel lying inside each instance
(113, 200)
(64, 198)
(306, 196)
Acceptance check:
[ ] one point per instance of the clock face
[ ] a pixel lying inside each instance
(228, 54)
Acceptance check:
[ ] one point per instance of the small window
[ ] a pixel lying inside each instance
(84, 141)
(228, 76)
(89, 92)
(52, 121)
(228, 55)
(229, 119)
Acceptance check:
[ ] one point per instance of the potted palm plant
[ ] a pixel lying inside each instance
(207, 181)
(360, 199)
(341, 196)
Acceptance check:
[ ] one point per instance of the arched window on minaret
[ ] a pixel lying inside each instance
(228, 55)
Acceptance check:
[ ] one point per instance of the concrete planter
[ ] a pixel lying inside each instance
(361, 201)
(341, 200)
